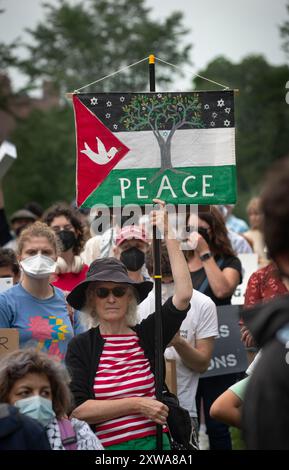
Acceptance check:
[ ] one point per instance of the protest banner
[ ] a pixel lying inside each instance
(179, 147)
(136, 147)
(229, 355)
(9, 340)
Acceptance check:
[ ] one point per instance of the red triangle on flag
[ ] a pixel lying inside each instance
(98, 151)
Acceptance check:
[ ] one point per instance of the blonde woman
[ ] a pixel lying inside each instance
(34, 306)
(255, 235)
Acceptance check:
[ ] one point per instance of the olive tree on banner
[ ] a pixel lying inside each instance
(164, 117)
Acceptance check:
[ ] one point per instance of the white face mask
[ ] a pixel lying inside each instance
(167, 291)
(5, 283)
(37, 408)
(38, 266)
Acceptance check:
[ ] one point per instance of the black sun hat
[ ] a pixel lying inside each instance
(110, 270)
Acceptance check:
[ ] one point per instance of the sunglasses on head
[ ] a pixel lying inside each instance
(103, 292)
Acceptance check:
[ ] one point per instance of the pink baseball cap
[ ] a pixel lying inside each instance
(130, 232)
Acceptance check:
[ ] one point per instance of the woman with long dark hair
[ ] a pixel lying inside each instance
(212, 257)
(216, 272)
(66, 223)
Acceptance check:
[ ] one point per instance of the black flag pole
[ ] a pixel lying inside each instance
(158, 294)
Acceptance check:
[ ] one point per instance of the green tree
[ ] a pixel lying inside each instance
(8, 58)
(261, 113)
(284, 32)
(7, 53)
(163, 113)
(76, 44)
(45, 168)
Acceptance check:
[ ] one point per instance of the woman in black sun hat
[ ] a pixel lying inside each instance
(112, 364)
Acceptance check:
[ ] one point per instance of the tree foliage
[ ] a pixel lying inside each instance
(284, 32)
(45, 168)
(72, 46)
(8, 58)
(76, 44)
(7, 53)
(262, 115)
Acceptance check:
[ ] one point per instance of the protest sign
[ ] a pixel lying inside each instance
(229, 355)
(249, 263)
(8, 155)
(179, 147)
(9, 340)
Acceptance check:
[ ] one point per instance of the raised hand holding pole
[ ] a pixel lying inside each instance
(158, 294)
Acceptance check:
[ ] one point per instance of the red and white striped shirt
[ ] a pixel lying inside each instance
(123, 372)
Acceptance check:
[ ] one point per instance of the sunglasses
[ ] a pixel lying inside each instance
(103, 292)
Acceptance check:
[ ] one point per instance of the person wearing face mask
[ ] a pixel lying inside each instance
(9, 266)
(192, 346)
(215, 269)
(36, 308)
(67, 225)
(39, 388)
(131, 246)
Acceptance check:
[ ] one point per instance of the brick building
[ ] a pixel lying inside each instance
(15, 106)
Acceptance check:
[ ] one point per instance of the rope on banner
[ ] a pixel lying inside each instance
(69, 95)
(195, 74)
(111, 74)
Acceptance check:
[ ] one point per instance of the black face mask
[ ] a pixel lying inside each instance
(67, 238)
(133, 258)
(205, 234)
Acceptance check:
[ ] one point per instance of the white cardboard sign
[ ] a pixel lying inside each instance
(249, 266)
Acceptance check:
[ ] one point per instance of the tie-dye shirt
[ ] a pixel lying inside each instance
(42, 323)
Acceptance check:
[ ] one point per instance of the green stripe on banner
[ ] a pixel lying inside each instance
(188, 185)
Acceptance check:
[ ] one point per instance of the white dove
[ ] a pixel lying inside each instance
(102, 157)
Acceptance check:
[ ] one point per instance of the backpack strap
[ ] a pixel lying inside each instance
(67, 434)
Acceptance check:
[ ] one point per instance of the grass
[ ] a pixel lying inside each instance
(237, 441)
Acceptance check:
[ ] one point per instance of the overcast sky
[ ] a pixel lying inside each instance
(233, 28)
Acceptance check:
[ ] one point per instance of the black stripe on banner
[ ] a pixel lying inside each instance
(122, 112)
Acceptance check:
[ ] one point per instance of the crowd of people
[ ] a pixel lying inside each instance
(84, 376)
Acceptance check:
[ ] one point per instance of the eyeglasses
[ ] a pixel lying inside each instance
(103, 292)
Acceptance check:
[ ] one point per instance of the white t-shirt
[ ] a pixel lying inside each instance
(201, 322)
(99, 246)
